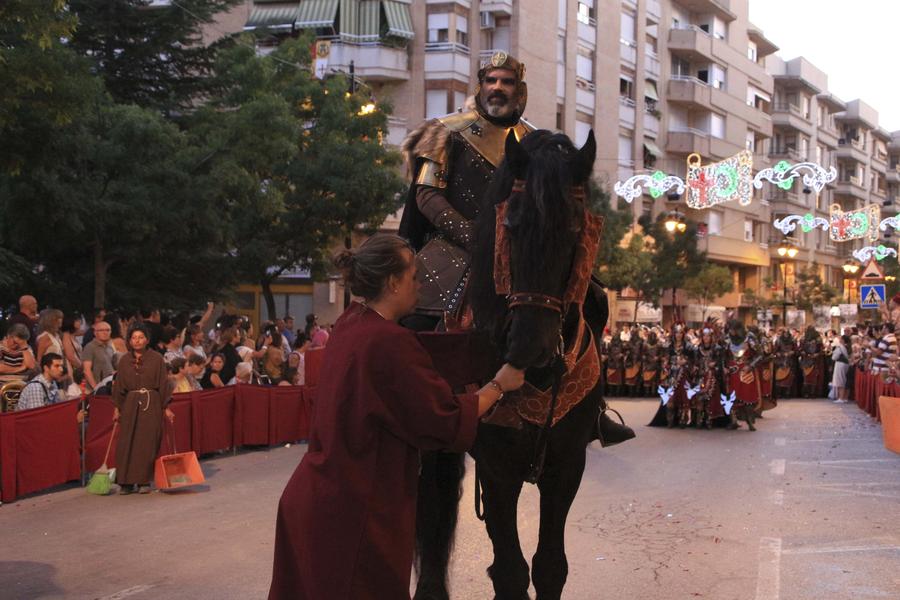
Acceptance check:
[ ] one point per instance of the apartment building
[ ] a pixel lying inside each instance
(656, 80)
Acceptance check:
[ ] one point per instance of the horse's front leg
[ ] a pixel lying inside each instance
(558, 486)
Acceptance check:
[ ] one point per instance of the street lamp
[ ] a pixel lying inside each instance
(786, 250)
(850, 268)
(675, 223)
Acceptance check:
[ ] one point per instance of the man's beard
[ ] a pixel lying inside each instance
(499, 110)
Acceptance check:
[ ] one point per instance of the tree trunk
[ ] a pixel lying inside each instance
(100, 267)
(266, 284)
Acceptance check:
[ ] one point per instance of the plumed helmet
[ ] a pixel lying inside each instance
(502, 60)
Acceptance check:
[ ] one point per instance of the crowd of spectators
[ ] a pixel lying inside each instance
(62, 356)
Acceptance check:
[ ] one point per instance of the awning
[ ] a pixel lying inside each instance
(369, 20)
(316, 14)
(650, 91)
(761, 94)
(651, 147)
(348, 19)
(398, 19)
(273, 15)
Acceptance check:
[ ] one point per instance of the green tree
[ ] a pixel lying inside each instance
(616, 223)
(149, 55)
(337, 178)
(711, 282)
(811, 291)
(675, 254)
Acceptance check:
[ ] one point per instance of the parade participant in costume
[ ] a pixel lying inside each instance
(785, 365)
(652, 364)
(634, 350)
(141, 396)
(346, 519)
(742, 359)
(615, 366)
(766, 369)
(452, 160)
(676, 409)
(709, 359)
(812, 363)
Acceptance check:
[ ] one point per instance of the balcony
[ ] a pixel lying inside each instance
(687, 141)
(587, 33)
(628, 53)
(651, 124)
(851, 186)
(852, 149)
(880, 159)
(691, 42)
(828, 135)
(447, 60)
(789, 154)
(651, 65)
(781, 197)
(684, 89)
(720, 8)
(893, 174)
(626, 112)
(791, 116)
(502, 7)
(372, 61)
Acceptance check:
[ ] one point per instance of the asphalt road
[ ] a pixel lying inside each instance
(808, 507)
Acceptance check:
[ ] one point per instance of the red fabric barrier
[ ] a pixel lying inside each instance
(288, 420)
(213, 420)
(99, 427)
(39, 448)
(252, 411)
(312, 365)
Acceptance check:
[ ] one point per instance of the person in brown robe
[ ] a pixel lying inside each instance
(346, 519)
(140, 395)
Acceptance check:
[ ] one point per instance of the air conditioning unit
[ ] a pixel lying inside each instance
(487, 20)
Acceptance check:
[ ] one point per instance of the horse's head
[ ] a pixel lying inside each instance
(543, 182)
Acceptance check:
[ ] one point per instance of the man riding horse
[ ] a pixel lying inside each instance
(452, 161)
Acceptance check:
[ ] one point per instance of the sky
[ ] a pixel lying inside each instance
(855, 42)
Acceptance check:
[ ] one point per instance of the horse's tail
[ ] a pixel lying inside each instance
(440, 489)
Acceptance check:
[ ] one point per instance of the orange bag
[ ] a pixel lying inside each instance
(181, 469)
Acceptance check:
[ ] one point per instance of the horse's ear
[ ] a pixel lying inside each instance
(584, 162)
(516, 156)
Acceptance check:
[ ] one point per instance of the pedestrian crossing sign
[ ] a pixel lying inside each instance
(872, 295)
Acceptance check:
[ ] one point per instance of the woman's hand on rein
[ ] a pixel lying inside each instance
(170, 415)
(115, 415)
(510, 378)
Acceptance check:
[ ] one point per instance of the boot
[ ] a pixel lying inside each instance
(608, 431)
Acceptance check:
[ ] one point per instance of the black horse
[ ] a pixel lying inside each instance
(543, 182)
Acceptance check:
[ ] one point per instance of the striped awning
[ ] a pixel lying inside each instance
(369, 20)
(316, 14)
(273, 15)
(398, 19)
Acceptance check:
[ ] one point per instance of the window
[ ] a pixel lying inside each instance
(720, 28)
(435, 103)
(584, 64)
(715, 222)
(626, 34)
(748, 230)
(625, 150)
(586, 12)
(717, 125)
(680, 66)
(717, 77)
(804, 149)
(820, 116)
(582, 129)
(561, 50)
(462, 31)
(804, 106)
(439, 28)
(750, 141)
(559, 117)
(752, 51)
(626, 87)
(459, 100)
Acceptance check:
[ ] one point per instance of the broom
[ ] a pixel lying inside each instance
(100, 483)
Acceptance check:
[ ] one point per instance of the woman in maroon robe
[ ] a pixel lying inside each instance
(141, 395)
(346, 520)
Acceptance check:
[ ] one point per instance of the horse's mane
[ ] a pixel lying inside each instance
(545, 215)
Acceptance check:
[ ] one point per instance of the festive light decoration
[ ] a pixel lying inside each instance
(657, 185)
(728, 401)
(879, 252)
(890, 222)
(720, 182)
(807, 223)
(855, 224)
(784, 173)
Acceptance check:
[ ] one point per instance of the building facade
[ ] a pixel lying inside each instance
(657, 80)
